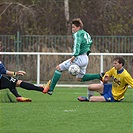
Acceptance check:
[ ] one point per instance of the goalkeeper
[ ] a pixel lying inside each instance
(9, 81)
(81, 49)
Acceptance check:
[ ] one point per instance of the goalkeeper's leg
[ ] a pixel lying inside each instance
(10, 82)
(29, 86)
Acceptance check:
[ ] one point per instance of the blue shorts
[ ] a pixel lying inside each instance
(107, 93)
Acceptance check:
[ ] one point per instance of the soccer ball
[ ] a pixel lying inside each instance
(74, 69)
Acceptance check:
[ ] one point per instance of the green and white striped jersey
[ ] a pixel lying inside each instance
(82, 42)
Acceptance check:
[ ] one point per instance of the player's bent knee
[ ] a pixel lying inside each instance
(18, 83)
(90, 87)
(79, 79)
(58, 68)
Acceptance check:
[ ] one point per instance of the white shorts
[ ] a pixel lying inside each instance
(81, 60)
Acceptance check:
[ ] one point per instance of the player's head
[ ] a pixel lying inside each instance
(120, 60)
(118, 63)
(76, 25)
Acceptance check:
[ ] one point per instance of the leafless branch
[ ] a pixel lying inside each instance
(5, 8)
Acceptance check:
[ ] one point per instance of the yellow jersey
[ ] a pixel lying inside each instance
(121, 80)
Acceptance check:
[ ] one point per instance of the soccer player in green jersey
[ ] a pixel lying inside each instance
(111, 92)
(81, 49)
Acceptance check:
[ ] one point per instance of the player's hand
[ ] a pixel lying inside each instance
(72, 59)
(106, 78)
(20, 73)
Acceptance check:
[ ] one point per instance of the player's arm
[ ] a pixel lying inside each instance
(107, 75)
(11, 73)
(129, 80)
(2, 68)
(77, 43)
(106, 78)
(76, 48)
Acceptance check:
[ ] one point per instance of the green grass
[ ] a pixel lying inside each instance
(62, 113)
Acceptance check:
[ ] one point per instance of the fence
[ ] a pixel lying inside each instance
(40, 66)
(60, 43)
(38, 55)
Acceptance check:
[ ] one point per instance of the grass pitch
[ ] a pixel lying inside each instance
(62, 113)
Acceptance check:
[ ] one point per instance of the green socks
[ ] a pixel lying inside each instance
(88, 77)
(56, 77)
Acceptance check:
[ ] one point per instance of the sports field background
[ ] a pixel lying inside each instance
(62, 113)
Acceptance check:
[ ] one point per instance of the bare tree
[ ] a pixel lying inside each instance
(53, 17)
(67, 15)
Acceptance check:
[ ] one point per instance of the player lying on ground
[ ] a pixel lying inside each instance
(111, 92)
(11, 83)
(81, 49)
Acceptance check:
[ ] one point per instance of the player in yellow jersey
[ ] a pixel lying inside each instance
(115, 91)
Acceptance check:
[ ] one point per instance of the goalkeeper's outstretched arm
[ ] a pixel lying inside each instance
(11, 73)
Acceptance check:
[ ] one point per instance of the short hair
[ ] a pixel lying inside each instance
(120, 60)
(77, 22)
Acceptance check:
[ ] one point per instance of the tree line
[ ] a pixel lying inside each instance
(53, 17)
